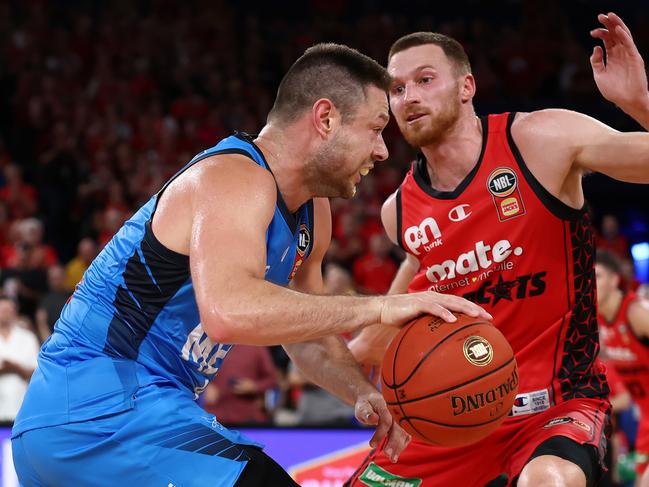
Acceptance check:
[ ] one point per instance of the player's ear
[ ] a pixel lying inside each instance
(616, 280)
(467, 88)
(324, 117)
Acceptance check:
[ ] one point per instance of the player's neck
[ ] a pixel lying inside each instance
(610, 306)
(281, 149)
(452, 158)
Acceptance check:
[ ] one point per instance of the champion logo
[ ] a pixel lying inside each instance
(459, 213)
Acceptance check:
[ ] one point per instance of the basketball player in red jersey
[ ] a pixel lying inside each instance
(624, 334)
(493, 210)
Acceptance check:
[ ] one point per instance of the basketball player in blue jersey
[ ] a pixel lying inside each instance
(204, 265)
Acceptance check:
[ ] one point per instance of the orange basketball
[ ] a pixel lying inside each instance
(449, 384)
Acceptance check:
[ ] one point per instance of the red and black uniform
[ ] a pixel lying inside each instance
(503, 241)
(628, 355)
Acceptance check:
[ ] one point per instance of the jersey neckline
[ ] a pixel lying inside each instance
(422, 177)
(289, 218)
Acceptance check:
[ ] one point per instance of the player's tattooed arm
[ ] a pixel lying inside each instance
(619, 70)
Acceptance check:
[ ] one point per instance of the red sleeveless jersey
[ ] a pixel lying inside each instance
(626, 353)
(503, 241)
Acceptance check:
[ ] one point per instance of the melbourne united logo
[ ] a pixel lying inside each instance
(502, 182)
(478, 351)
(303, 240)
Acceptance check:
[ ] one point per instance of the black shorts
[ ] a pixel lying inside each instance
(585, 456)
(263, 471)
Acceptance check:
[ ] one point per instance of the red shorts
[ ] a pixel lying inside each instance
(506, 451)
(642, 446)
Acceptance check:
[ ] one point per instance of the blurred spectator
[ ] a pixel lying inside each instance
(238, 392)
(23, 281)
(86, 252)
(373, 271)
(610, 239)
(49, 308)
(18, 353)
(20, 197)
(30, 233)
(112, 220)
(337, 280)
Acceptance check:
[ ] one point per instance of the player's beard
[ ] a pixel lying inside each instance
(326, 172)
(438, 124)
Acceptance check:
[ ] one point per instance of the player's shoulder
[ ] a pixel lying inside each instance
(223, 174)
(550, 121)
(638, 311)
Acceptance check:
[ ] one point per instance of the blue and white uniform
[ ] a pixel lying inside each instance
(113, 395)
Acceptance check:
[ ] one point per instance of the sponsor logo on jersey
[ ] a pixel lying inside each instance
(531, 402)
(521, 287)
(375, 476)
(478, 351)
(459, 213)
(568, 420)
(482, 256)
(466, 403)
(502, 183)
(303, 242)
(557, 421)
(426, 235)
(200, 351)
(620, 354)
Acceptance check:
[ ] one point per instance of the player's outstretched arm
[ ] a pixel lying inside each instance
(232, 205)
(619, 72)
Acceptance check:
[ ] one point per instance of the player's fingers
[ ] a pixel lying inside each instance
(398, 440)
(365, 413)
(597, 59)
(605, 36)
(615, 19)
(441, 312)
(626, 40)
(456, 303)
(382, 428)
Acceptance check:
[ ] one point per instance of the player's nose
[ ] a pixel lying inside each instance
(380, 150)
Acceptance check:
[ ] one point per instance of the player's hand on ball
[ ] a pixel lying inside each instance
(399, 309)
(371, 410)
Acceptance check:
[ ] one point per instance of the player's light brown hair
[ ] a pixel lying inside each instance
(333, 71)
(452, 48)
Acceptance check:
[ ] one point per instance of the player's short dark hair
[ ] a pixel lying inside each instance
(609, 261)
(333, 71)
(452, 48)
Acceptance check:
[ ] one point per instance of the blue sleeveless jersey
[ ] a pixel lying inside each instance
(133, 320)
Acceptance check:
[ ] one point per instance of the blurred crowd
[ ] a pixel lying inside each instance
(101, 102)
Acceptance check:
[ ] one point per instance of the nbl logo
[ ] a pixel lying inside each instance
(303, 240)
(478, 351)
(502, 182)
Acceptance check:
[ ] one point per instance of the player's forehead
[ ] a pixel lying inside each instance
(409, 62)
(375, 106)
